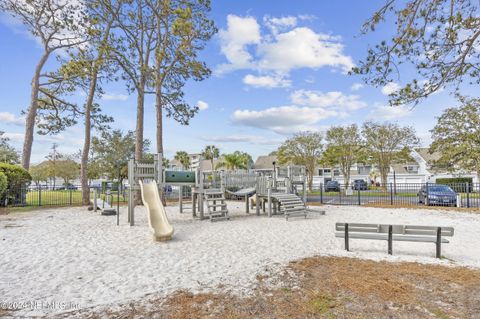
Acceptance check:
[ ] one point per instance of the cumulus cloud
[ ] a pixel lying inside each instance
(15, 137)
(302, 48)
(10, 118)
(266, 81)
(286, 47)
(308, 108)
(390, 88)
(253, 139)
(278, 24)
(386, 112)
(334, 99)
(115, 97)
(234, 41)
(202, 105)
(282, 119)
(356, 86)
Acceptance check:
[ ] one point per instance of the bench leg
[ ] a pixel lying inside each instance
(390, 240)
(439, 243)
(347, 246)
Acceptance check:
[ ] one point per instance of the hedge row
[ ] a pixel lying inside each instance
(458, 184)
(17, 180)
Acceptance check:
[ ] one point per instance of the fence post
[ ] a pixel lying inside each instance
(321, 193)
(391, 194)
(39, 195)
(438, 253)
(390, 239)
(427, 201)
(347, 244)
(359, 199)
(468, 195)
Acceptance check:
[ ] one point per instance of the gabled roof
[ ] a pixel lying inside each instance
(428, 157)
(265, 162)
(402, 168)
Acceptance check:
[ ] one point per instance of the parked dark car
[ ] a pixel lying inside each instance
(360, 184)
(332, 186)
(435, 194)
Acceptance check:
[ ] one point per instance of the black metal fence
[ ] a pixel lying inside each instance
(43, 195)
(454, 195)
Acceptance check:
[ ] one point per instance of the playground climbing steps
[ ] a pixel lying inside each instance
(216, 206)
(290, 205)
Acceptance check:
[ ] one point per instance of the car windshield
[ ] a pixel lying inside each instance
(332, 183)
(444, 189)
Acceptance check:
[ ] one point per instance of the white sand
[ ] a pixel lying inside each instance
(76, 256)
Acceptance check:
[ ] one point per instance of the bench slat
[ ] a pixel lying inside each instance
(394, 237)
(396, 229)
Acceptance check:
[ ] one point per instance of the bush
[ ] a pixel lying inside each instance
(17, 181)
(458, 184)
(3, 184)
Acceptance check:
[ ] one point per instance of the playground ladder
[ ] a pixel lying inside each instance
(217, 208)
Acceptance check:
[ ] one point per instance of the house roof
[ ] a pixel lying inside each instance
(402, 168)
(206, 165)
(430, 158)
(265, 162)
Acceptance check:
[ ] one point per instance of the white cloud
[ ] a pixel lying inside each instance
(307, 110)
(386, 112)
(15, 137)
(334, 99)
(115, 97)
(266, 81)
(283, 119)
(10, 118)
(302, 48)
(390, 88)
(252, 139)
(279, 24)
(285, 48)
(240, 33)
(356, 86)
(202, 105)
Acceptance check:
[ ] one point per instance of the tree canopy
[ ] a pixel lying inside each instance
(210, 153)
(8, 154)
(303, 148)
(437, 39)
(344, 148)
(456, 137)
(388, 143)
(184, 159)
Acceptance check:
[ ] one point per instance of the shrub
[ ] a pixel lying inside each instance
(3, 184)
(458, 184)
(17, 180)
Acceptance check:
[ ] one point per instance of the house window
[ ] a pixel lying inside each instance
(320, 172)
(336, 172)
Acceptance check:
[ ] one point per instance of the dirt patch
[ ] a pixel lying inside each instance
(328, 287)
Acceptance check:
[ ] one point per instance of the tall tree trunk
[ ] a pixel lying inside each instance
(86, 142)
(159, 112)
(32, 112)
(140, 120)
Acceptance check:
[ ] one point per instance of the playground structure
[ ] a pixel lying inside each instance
(277, 194)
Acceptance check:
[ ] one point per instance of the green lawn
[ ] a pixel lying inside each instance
(63, 197)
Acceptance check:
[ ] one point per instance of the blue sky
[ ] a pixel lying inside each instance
(278, 67)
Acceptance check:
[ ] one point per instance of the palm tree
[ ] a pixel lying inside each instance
(183, 158)
(211, 152)
(236, 160)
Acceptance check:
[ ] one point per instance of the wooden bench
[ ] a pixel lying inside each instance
(390, 233)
